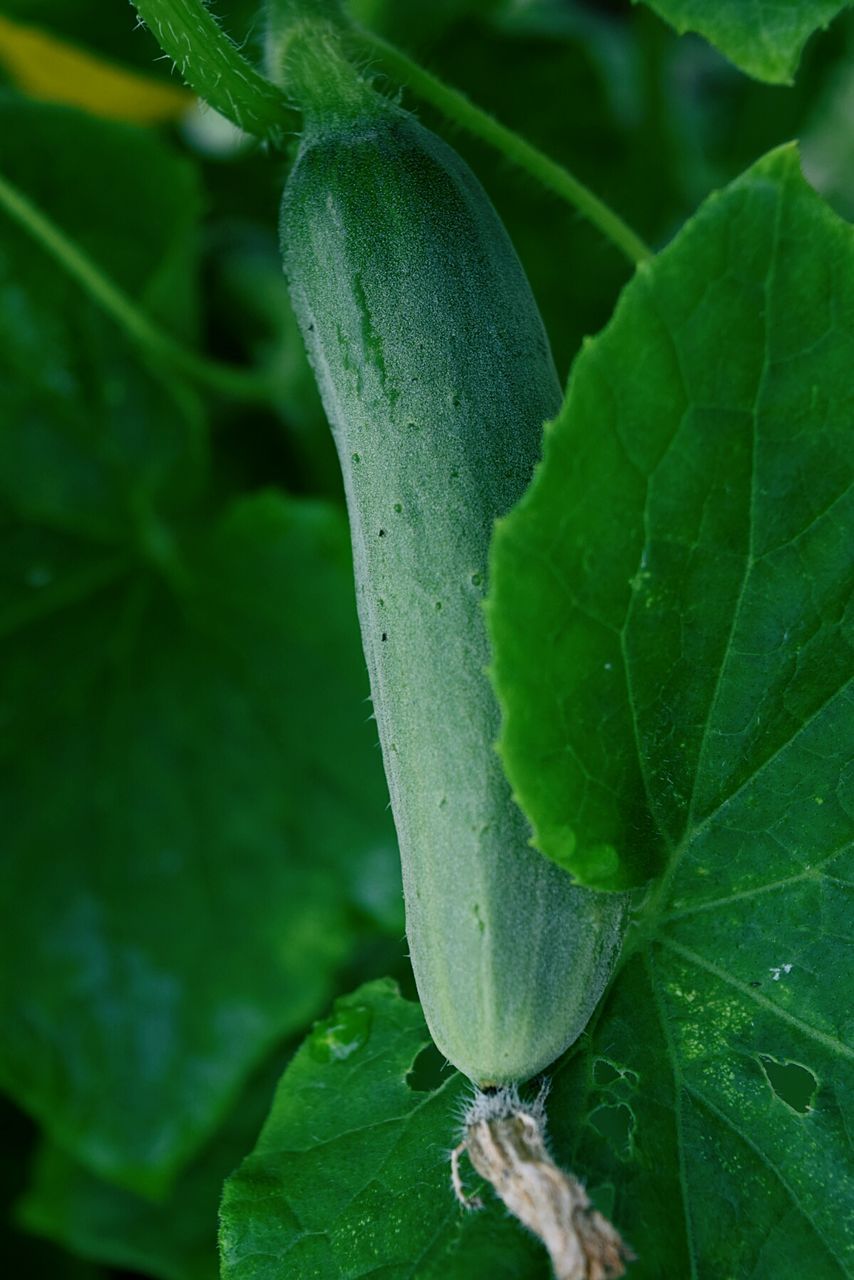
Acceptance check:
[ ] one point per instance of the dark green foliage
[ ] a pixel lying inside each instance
(196, 854)
(190, 858)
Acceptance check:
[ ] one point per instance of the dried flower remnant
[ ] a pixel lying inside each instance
(504, 1138)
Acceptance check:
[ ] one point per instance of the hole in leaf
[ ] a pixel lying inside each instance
(616, 1124)
(428, 1071)
(793, 1084)
(604, 1072)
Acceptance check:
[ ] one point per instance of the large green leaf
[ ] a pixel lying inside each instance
(710, 1110)
(183, 841)
(765, 40)
(681, 563)
(150, 250)
(194, 827)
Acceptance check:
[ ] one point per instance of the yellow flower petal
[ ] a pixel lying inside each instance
(45, 67)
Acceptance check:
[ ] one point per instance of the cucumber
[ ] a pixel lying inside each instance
(436, 376)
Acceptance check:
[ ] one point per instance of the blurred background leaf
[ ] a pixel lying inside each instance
(195, 829)
(172, 1238)
(198, 772)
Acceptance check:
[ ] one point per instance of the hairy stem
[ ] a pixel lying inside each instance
(214, 67)
(243, 384)
(284, 17)
(462, 111)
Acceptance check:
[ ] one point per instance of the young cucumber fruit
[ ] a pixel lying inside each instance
(437, 377)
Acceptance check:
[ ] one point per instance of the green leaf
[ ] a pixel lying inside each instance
(185, 845)
(151, 251)
(194, 810)
(709, 1111)
(172, 1239)
(681, 556)
(765, 40)
(350, 1176)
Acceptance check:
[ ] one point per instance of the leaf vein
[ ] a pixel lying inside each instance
(813, 872)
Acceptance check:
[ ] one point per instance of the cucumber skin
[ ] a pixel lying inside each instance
(436, 376)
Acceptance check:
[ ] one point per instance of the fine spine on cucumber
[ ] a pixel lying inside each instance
(436, 376)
